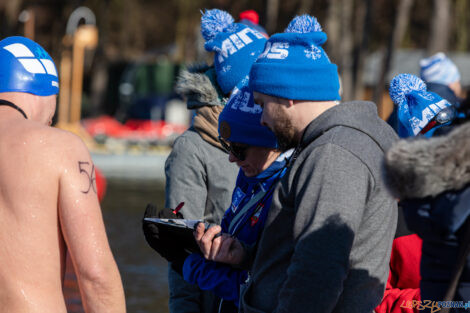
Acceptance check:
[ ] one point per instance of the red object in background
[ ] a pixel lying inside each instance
(104, 125)
(403, 280)
(100, 184)
(132, 129)
(250, 15)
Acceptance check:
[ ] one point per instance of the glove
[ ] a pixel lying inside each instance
(159, 240)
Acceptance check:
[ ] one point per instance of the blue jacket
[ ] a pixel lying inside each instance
(239, 221)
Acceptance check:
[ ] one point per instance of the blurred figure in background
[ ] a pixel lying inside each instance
(198, 174)
(419, 111)
(251, 19)
(442, 76)
(197, 171)
(431, 178)
(49, 206)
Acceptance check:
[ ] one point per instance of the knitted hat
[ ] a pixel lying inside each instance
(439, 69)
(250, 15)
(239, 121)
(295, 66)
(26, 67)
(236, 47)
(416, 106)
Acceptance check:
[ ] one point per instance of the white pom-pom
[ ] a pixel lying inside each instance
(303, 24)
(402, 84)
(215, 21)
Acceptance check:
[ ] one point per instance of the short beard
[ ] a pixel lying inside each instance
(285, 134)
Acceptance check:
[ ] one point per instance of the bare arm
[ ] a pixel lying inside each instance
(84, 232)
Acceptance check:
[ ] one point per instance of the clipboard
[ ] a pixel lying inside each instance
(178, 231)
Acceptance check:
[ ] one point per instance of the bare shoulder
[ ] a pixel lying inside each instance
(58, 146)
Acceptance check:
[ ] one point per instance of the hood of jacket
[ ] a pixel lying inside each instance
(359, 115)
(419, 167)
(198, 86)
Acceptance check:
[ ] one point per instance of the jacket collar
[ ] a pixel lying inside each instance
(420, 167)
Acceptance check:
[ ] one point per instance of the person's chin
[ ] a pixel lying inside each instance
(247, 171)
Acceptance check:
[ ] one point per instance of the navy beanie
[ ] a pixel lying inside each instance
(416, 106)
(236, 47)
(239, 121)
(295, 66)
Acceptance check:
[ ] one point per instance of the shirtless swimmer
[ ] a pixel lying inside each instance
(48, 201)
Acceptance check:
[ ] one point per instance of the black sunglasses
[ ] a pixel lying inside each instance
(238, 150)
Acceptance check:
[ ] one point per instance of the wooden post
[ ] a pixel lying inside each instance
(65, 76)
(85, 37)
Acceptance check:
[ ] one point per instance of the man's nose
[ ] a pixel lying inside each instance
(263, 120)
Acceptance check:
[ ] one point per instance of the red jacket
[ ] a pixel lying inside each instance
(403, 281)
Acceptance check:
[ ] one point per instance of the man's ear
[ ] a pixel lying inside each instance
(290, 103)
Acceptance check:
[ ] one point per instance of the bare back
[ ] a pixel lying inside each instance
(48, 204)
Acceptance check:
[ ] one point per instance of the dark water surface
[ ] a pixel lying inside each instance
(143, 271)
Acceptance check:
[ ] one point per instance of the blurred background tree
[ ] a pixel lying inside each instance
(145, 29)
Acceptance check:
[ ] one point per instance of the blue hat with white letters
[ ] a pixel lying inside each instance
(26, 67)
(295, 66)
(236, 47)
(417, 107)
(239, 121)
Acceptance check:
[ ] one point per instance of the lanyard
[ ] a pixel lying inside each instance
(237, 218)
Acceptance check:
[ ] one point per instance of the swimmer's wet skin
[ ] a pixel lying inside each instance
(48, 204)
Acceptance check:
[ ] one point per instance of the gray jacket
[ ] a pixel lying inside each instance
(327, 240)
(200, 175)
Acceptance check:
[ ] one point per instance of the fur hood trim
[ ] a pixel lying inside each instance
(194, 85)
(417, 168)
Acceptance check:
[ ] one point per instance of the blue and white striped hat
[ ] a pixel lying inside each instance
(439, 69)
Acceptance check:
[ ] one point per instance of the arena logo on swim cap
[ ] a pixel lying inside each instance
(32, 63)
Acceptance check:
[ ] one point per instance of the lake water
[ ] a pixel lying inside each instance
(143, 271)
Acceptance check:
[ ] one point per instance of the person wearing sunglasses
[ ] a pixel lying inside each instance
(253, 148)
(197, 172)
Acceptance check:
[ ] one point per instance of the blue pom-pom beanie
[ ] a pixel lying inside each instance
(295, 66)
(416, 106)
(236, 47)
(239, 121)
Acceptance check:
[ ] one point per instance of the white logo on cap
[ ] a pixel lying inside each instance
(30, 62)
(236, 42)
(427, 115)
(276, 50)
(313, 53)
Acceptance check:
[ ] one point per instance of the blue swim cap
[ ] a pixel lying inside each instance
(26, 67)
